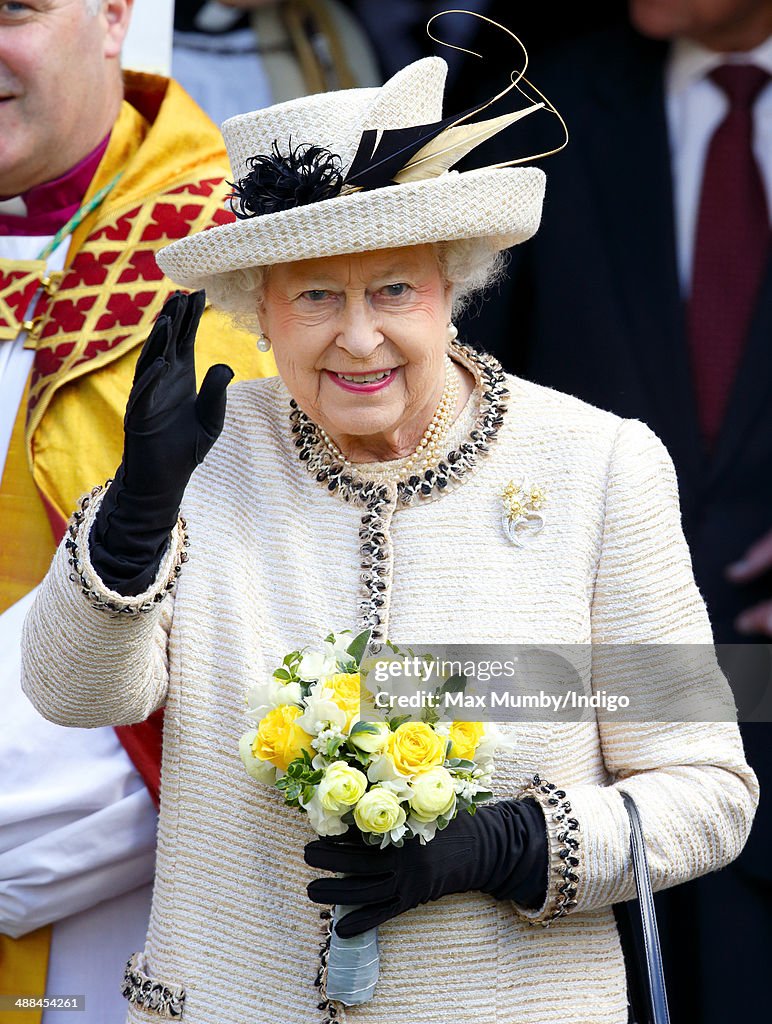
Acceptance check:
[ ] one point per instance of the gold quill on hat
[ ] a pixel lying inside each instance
(387, 156)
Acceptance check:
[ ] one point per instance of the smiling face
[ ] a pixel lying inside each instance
(360, 342)
(60, 85)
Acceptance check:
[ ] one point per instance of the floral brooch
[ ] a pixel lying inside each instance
(521, 511)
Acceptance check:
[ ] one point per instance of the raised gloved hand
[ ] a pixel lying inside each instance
(501, 850)
(168, 429)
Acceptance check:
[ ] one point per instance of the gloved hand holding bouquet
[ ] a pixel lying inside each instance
(396, 802)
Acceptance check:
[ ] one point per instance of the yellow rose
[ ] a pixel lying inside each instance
(346, 688)
(263, 771)
(415, 746)
(341, 787)
(433, 794)
(464, 738)
(279, 738)
(379, 811)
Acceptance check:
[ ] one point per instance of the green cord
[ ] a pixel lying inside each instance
(77, 217)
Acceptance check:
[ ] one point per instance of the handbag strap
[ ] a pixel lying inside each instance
(652, 955)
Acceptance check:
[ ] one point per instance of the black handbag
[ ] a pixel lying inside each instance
(637, 924)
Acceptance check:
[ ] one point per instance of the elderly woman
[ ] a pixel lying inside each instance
(362, 489)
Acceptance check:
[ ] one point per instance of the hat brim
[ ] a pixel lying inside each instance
(501, 204)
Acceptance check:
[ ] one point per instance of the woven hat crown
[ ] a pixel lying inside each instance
(336, 120)
(500, 205)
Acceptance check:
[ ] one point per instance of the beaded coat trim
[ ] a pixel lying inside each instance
(142, 990)
(564, 849)
(83, 574)
(379, 500)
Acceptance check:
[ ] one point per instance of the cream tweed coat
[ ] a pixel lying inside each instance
(274, 563)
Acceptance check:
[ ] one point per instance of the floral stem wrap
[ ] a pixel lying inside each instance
(352, 967)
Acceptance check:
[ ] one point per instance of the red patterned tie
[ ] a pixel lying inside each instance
(731, 248)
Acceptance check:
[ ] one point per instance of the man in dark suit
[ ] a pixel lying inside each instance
(648, 291)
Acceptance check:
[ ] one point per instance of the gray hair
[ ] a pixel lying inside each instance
(92, 6)
(469, 264)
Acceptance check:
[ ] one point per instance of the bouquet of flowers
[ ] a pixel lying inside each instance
(317, 737)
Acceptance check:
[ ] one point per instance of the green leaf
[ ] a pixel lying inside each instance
(358, 646)
(333, 745)
(282, 673)
(360, 755)
(482, 796)
(454, 684)
(429, 715)
(395, 723)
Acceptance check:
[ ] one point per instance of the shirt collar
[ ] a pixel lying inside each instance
(688, 62)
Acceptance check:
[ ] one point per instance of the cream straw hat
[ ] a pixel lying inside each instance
(502, 204)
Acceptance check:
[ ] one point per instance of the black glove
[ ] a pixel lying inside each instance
(168, 431)
(501, 850)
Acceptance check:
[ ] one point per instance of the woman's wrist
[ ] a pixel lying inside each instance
(562, 830)
(95, 588)
(130, 535)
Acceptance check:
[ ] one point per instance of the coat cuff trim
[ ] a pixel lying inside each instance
(150, 993)
(563, 837)
(86, 577)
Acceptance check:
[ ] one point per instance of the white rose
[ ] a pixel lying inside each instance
(316, 664)
(434, 794)
(321, 712)
(341, 787)
(371, 737)
(379, 811)
(399, 787)
(494, 739)
(383, 769)
(323, 822)
(264, 697)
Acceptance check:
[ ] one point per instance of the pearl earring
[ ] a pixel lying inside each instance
(263, 343)
(452, 332)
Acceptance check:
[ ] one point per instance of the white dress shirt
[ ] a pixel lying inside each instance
(696, 106)
(77, 825)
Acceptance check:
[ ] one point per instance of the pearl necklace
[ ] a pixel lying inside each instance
(428, 451)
